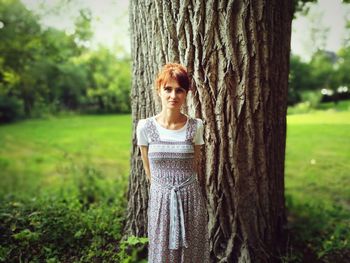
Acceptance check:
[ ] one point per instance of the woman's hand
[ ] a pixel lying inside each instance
(145, 161)
(197, 165)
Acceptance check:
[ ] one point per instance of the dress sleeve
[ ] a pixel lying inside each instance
(141, 133)
(198, 138)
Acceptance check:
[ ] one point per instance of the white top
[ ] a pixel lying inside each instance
(167, 134)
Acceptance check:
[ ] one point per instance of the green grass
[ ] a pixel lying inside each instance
(312, 106)
(317, 157)
(316, 181)
(36, 154)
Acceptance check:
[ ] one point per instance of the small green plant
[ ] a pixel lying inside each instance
(313, 97)
(299, 108)
(133, 249)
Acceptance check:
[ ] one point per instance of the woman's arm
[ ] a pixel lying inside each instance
(145, 161)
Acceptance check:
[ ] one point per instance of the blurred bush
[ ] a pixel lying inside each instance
(81, 222)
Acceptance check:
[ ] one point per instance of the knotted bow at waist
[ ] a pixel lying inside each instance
(177, 232)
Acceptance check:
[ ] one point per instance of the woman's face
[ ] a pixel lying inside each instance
(172, 95)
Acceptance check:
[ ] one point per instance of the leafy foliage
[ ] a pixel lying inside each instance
(48, 70)
(326, 70)
(302, 6)
(133, 249)
(81, 223)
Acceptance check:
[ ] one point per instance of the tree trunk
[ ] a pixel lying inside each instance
(237, 53)
(28, 100)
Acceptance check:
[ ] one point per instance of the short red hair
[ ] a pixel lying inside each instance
(173, 71)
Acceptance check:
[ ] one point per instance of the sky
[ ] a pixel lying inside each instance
(330, 14)
(111, 23)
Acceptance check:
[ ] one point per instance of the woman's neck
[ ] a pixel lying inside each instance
(171, 118)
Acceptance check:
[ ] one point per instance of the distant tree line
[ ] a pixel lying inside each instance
(45, 70)
(325, 73)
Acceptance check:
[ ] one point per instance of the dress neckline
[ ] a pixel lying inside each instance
(177, 130)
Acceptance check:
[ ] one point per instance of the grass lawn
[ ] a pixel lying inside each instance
(317, 157)
(316, 179)
(38, 154)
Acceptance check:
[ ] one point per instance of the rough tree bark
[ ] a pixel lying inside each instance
(237, 53)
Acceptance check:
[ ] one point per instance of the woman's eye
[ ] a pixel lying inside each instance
(179, 91)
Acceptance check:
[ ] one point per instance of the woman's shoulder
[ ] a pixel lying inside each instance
(198, 121)
(142, 122)
(145, 119)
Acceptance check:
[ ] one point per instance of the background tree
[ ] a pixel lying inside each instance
(343, 67)
(299, 79)
(45, 70)
(342, 76)
(19, 40)
(322, 69)
(238, 56)
(109, 80)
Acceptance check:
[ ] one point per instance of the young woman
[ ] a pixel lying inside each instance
(170, 146)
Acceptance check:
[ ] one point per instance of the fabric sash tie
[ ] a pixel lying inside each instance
(177, 232)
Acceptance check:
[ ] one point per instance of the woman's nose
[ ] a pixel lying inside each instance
(173, 94)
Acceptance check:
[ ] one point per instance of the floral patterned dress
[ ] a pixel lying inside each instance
(177, 217)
